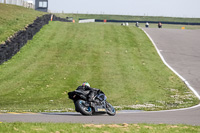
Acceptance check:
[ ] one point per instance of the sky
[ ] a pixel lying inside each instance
(171, 8)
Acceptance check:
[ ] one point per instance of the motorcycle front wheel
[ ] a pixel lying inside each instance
(83, 109)
(110, 109)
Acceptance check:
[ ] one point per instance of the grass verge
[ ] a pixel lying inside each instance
(119, 60)
(14, 18)
(87, 128)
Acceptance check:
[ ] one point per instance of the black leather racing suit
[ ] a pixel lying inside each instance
(91, 94)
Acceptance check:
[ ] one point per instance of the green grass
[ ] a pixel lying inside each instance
(119, 60)
(14, 18)
(88, 128)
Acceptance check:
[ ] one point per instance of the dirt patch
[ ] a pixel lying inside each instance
(124, 125)
(137, 126)
(93, 125)
(148, 127)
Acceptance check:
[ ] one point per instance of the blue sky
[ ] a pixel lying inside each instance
(173, 8)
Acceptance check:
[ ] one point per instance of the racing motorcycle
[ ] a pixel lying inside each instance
(100, 105)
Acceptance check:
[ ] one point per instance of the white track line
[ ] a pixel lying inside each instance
(183, 79)
(183, 109)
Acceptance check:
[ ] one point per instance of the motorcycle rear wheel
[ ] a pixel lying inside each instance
(84, 110)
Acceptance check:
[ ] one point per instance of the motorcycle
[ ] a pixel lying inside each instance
(99, 106)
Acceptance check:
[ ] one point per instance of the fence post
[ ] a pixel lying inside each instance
(23, 4)
(19, 3)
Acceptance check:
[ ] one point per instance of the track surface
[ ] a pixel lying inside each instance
(180, 49)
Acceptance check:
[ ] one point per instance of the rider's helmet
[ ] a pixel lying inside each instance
(86, 84)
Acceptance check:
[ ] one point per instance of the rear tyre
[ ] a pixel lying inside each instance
(110, 109)
(84, 110)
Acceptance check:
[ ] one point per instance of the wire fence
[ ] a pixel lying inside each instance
(27, 4)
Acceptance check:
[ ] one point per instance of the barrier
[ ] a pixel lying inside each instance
(19, 39)
(55, 18)
(86, 20)
(24, 3)
(154, 22)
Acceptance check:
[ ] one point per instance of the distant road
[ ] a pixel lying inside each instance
(181, 50)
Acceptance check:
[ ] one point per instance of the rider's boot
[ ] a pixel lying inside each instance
(91, 101)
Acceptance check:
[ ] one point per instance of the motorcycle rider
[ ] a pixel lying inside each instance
(85, 87)
(159, 25)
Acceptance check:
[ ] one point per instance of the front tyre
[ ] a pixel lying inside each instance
(84, 110)
(110, 109)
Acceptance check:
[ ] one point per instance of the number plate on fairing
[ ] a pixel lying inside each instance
(100, 110)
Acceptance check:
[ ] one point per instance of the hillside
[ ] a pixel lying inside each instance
(119, 60)
(13, 18)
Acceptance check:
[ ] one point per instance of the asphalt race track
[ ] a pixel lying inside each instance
(180, 49)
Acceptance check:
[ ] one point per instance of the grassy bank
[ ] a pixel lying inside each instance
(119, 60)
(87, 128)
(13, 18)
